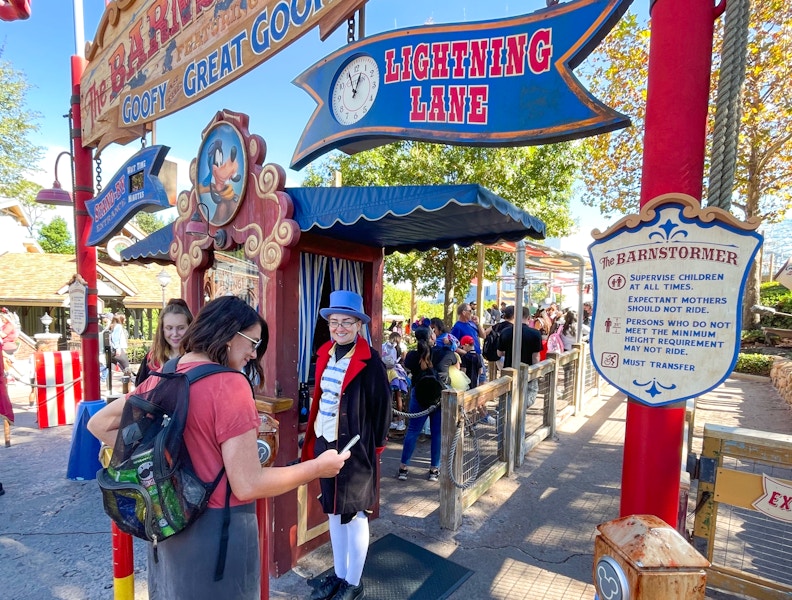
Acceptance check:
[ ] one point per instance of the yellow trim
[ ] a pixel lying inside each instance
(303, 533)
(124, 587)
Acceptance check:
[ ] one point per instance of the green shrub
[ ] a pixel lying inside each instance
(753, 364)
(776, 296)
(137, 349)
(752, 335)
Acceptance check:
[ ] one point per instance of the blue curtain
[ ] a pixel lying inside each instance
(348, 275)
(312, 274)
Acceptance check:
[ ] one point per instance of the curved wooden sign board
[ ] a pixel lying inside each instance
(151, 59)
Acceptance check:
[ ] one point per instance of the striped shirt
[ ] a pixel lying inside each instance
(326, 423)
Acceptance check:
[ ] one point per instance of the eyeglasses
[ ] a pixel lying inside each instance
(256, 343)
(345, 324)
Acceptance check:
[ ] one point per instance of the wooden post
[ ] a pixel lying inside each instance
(509, 430)
(450, 495)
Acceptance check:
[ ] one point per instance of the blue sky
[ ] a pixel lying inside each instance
(42, 45)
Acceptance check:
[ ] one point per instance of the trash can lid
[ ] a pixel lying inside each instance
(648, 542)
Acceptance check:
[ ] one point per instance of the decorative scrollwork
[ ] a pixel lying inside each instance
(691, 209)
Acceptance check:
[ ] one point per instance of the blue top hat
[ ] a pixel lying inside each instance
(345, 303)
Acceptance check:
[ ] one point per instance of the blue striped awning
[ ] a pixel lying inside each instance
(397, 218)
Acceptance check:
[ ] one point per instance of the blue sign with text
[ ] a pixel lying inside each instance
(491, 83)
(133, 188)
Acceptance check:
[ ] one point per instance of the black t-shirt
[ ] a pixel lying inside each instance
(442, 358)
(531, 342)
(472, 364)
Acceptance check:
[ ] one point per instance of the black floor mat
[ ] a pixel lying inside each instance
(399, 570)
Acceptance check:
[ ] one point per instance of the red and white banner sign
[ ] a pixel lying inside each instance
(776, 502)
(58, 377)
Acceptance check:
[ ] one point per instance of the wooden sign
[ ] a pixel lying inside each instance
(668, 288)
(151, 59)
(492, 83)
(133, 188)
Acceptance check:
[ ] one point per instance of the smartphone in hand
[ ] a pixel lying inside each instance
(351, 443)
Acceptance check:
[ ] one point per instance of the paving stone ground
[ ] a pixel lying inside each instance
(530, 537)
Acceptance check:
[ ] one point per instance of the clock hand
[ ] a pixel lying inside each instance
(355, 85)
(351, 84)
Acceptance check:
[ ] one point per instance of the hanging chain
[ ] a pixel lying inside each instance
(351, 29)
(98, 162)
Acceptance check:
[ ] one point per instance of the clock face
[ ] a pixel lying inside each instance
(355, 89)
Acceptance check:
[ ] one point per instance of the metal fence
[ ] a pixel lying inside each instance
(477, 453)
(750, 549)
(523, 408)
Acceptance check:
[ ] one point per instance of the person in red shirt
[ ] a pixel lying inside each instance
(221, 431)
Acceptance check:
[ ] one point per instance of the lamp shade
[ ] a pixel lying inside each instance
(197, 226)
(55, 196)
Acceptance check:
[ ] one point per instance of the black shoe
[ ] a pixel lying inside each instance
(347, 591)
(2, 491)
(326, 588)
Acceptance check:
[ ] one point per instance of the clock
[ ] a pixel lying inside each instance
(355, 89)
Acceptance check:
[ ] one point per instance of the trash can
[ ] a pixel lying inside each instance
(641, 557)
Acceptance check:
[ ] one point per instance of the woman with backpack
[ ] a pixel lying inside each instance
(173, 322)
(421, 362)
(220, 433)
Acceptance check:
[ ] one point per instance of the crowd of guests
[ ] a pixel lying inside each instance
(545, 320)
(456, 355)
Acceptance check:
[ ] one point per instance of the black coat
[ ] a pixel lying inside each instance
(365, 410)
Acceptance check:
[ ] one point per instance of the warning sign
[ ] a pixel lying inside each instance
(668, 287)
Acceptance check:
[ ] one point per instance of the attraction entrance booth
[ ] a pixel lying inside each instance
(240, 231)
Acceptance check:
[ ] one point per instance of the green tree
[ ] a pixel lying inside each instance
(148, 222)
(617, 74)
(538, 179)
(25, 191)
(55, 238)
(395, 301)
(18, 155)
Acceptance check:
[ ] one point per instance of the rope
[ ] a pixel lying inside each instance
(464, 423)
(727, 107)
(60, 389)
(417, 415)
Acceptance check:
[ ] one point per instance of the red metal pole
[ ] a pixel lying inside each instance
(86, 255)
(123, 561)
(123, 565)
(680, 60)
(263, 516)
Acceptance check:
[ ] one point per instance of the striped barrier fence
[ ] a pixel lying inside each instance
(58, 387)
